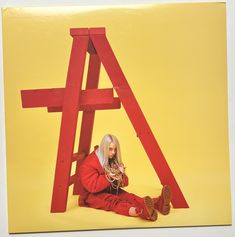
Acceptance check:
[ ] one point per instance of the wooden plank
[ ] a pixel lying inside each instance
(88, 116)
(42, 97)
(71, 102)
(116, 104)
(55, 97)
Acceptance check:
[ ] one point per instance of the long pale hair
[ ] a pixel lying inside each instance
(104, 148)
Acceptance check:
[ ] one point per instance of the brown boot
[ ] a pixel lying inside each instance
(147, 210)
(162, 203)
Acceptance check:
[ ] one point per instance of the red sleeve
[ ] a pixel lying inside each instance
(125, 180)
(92, 180)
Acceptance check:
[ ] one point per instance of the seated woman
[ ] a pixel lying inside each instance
(102, 177)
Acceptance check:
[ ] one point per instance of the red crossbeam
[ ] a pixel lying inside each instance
(54, 97)
(116, 104)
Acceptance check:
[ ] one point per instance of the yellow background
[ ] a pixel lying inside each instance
(174, 58)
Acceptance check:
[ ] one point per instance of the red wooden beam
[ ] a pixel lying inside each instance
(88, 116)
(68, 127)
(42, 97)
(54, 97)
(116, 104)
(79, 31)
(91, 48)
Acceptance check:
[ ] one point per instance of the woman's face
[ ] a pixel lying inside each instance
(112, 150)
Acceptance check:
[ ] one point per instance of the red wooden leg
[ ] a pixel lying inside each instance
(69, 122)
(88, 116)
(136, 116)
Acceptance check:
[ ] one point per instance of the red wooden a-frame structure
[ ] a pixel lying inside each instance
(72, 99)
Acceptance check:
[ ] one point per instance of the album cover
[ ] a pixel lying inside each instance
(161, 91)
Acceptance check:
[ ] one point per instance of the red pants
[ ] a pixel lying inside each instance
(120, 203)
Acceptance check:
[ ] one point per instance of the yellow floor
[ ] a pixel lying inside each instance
(30, 213)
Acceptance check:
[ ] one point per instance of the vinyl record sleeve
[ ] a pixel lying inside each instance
(174, 58)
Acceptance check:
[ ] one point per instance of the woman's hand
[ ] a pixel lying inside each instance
(113, 176)
(121, 168)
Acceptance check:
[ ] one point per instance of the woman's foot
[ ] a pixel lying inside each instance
(147, 210)
(162, 203)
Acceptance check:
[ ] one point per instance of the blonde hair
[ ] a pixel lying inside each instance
(104, 148)
(112, 171)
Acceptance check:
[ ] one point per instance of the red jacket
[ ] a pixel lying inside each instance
(92, 178)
